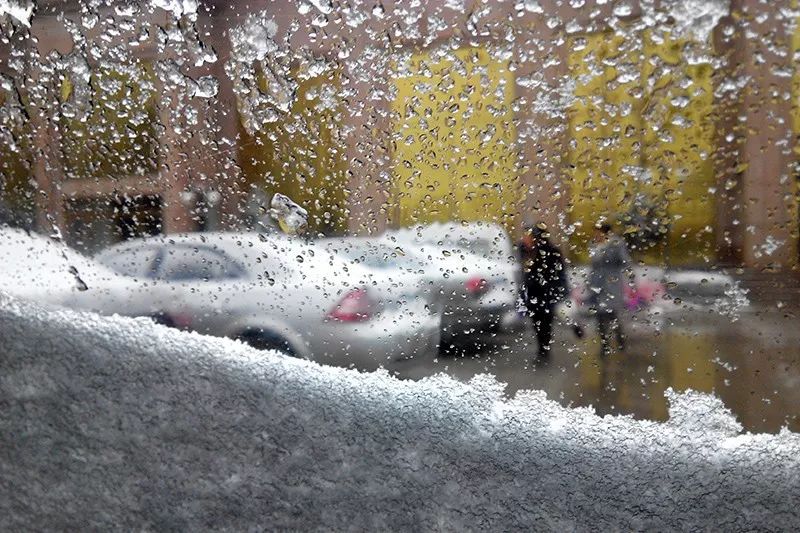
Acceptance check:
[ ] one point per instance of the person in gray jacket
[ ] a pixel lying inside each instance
(610, 269)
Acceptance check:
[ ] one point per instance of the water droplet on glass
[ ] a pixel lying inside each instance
(292, 218)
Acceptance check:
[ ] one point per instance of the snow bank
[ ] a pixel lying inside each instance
(120, 423)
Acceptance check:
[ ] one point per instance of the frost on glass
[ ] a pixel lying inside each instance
(164, 429)
(593, 202)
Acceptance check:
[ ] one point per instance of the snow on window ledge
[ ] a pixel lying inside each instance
(111, 422)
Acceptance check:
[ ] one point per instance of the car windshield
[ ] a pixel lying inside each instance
(504, 265)
(479, 247)
(376, 255)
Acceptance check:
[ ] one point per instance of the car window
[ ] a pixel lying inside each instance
(274, 260)
(139, 262)
(195, 263)
(479, 247)
(375, 255)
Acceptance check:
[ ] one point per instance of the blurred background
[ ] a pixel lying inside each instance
(684, 136)
(675, 121)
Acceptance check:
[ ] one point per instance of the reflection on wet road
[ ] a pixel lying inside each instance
(753, 364)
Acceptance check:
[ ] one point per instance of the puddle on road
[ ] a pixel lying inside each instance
(752, 364)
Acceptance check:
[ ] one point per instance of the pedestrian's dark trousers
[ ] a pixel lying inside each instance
(542, 318)
(608, 324)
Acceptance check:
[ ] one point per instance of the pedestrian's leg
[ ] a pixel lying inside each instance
(544, 334)
(604, 320)
(618, 331)
(533, 316)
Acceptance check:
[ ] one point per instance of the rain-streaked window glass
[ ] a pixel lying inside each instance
(447, 264)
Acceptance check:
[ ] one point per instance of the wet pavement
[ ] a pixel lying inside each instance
(752, 363)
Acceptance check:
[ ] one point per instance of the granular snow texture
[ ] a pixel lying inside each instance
(118, 423)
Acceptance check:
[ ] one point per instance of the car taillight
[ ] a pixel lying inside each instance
(476, 285)
(355, 306)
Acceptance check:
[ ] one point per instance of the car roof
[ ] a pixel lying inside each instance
(454, 230)
(238, 243)
(212, 238)
(29, 257)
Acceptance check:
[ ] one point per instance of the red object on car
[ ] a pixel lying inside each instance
(476, 285)
(644, 294)
(355, 306)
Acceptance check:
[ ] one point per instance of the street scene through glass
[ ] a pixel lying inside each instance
(400, 265)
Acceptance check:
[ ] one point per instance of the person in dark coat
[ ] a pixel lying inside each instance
(544, 282)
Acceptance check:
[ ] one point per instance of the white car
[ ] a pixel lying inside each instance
(42, 269)
(474, 269)
(274, 291)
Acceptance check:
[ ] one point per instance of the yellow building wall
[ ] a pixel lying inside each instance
(678, 144)
(454, 140)
(637, 129)
(603, 134)
(118, 137)
(301, 156)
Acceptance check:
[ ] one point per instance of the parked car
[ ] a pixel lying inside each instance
(39, 268)
(486, 239)
(273, 291)
(472, 267)
(701, 288)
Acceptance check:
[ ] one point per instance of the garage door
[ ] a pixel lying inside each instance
(454, 140)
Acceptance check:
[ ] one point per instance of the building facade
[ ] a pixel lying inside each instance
(510, 112)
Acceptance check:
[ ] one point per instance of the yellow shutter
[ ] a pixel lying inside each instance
(454, 152)
(641, 136)
(300, 157)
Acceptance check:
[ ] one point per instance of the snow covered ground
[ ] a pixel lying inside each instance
(120, 423)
